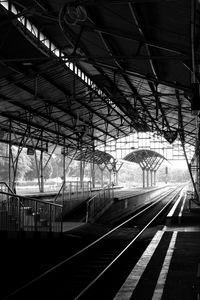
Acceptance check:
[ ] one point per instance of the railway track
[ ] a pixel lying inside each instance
(98, 270)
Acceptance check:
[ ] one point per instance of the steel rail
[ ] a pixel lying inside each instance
(36, 279)
(127, 247)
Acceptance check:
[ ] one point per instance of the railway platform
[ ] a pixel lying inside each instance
(169, 268)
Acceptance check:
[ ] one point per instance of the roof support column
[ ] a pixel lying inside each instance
(101, 177)
(166, 175)
(147, 177)
(41, 164)
(143, 177)
(41, 172)
(110, 176)
(92, 174)
(151, 173)
(116, 169)
(64, 173)
(117, 178)
(10, 158)
(82, 169)
(154, 179)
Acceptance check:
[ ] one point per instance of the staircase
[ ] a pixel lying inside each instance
(19, 213)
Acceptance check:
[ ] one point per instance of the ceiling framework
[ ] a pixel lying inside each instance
(82, 73)
(100, 158)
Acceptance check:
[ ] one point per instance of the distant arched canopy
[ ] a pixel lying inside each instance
(147, 159)
(98, 157)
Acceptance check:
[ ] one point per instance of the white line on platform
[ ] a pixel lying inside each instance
(182, 206)
(170, 214)
(165, 267)
(132, 280)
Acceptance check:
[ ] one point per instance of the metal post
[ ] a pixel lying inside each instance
(19, 214)
(64, 176)
(61, 220)
(10, 159)
(41, 172)
(143, 177)
(151, 174)
(101, 177)
(50, 218)
(35, 221)
(92, 172)
(87, 212)
(38, 171)
(81, 171)
(117, 178)
(83, 188)
(110, 176)
(70, 190)
(166, 175)
(147, 178)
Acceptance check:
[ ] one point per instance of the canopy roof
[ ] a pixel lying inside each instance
(90, 71)
(145, 158)
(97, 157)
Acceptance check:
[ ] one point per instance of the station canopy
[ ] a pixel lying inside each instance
(97, 157)
(87, 72)
(146, 158)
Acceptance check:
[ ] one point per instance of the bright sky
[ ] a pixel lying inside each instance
(179, 164)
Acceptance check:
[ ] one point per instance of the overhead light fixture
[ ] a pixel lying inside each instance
(30, 151)
(170, 136)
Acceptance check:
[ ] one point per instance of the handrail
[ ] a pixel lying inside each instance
(58, 194)
(24, 213)
(32, 199)
(72, 187)
(95, 195)
(101, 203)
(9, 188)
(73, 256)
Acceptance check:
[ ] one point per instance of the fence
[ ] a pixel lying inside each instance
(20, 213)
(74, 190)
(99, 202)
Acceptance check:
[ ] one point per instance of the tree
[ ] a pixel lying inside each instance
(23, 165)
(48, 170)
(21, 161)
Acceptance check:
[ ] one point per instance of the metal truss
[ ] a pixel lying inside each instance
(70, 96)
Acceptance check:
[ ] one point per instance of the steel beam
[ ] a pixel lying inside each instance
(48, 53)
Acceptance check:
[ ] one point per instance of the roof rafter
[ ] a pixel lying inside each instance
(111, 51)
(61, 62)
(137, 22)
(32, 92)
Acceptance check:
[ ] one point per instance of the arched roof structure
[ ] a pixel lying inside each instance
(146, 158)
(119, 68)
(97, 157)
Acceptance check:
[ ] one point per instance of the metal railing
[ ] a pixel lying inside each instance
(20, 213)
(74, 190)
(81, 293)
(78, 190)
(99, 202)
